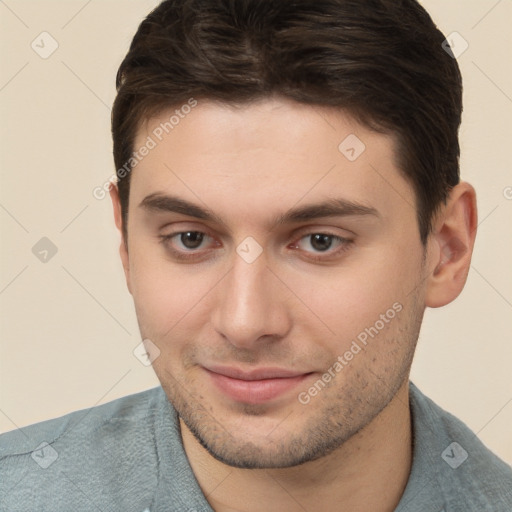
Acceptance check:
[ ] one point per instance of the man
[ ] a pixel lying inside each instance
(289, 203)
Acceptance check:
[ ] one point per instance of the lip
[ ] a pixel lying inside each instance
(254, 386)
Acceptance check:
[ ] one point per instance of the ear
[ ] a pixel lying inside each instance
(118, 218)
(451, 246)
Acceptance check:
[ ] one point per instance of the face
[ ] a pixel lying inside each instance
(279, 275)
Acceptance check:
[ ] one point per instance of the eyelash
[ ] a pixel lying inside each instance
(344, 244)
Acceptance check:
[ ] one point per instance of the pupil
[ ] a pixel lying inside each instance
(321, 242)
(191, 239)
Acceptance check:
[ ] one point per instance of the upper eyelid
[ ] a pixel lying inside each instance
(329, 232)
(298, 232)
(164, 234)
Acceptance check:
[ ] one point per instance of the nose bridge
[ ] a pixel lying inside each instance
(249, 305)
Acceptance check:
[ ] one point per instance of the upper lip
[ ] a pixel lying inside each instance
(255, 374)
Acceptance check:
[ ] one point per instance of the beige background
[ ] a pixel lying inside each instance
(68, 327)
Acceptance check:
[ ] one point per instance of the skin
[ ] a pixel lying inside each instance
(294, 307)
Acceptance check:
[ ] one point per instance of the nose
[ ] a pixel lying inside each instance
(251, 305)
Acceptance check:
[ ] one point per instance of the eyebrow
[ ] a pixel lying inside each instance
(333, 207)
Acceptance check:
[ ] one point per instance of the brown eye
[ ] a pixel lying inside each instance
(322, 246)
(191, 239)
(320, 241)
(188, 245)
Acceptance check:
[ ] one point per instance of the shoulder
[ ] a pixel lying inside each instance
(103, 444)
(470, 476)
(129, 409)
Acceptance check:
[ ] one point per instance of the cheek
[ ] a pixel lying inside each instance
(160, 293)
(170, 299)
(351, 298)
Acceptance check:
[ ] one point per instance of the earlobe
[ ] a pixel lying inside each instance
(118, 218)
(452, 239)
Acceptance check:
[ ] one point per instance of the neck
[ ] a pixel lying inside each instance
(368, 472)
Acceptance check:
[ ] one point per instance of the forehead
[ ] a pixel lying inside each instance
(268, 154)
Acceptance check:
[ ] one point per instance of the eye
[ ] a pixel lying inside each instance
(190, 239)
(319, 241)
(320, 245)
(188, 244)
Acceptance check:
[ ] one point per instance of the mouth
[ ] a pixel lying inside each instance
(256, 386)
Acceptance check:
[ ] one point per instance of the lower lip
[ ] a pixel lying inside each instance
(255, 391)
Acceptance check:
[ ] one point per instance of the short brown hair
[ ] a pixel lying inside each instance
(382, 61)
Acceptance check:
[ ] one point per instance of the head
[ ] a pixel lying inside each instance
(288, 194)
